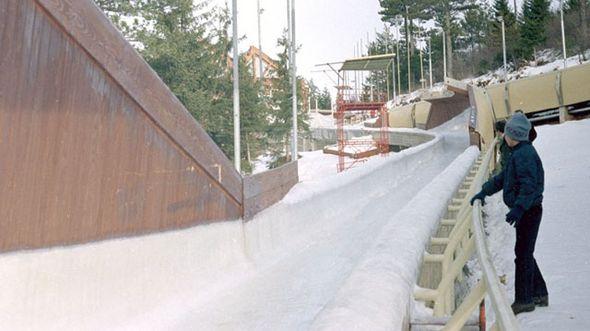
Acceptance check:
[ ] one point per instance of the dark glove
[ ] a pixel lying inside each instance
(479, 196)
(514, 215)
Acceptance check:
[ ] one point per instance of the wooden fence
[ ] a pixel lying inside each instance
(264, 189)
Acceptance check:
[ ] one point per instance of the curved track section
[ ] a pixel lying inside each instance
(305, 250)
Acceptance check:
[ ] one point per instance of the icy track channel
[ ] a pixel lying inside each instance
(337, 253)
(293, 288)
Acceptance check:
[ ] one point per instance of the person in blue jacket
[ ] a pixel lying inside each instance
(522, 182)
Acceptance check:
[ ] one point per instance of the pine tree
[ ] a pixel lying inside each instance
(500, 9)
(446, 12)
(535, 15)
(406, 11)
(581, 10)
(381, 80)
(254, 112)
(116, 10)
(475, 24)
(324, 99)
(314, 94)
(187, 44)
(281, 124)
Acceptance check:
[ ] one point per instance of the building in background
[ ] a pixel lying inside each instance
(269, 67)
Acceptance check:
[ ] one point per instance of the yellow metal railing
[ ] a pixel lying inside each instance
(460, 247)
(466, 238)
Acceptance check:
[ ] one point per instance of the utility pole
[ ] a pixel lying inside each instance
(356, 75)
(362, 73)
(504, 48)
(236, 73)
(294, 75)
(563, 112)
(444, 56)
(422, 81)
(399, 77)
(430, 61)
(563, 36)
(393, 72)
(408, 51)
(260, 47)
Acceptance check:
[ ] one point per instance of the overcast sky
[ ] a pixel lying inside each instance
(327, 30)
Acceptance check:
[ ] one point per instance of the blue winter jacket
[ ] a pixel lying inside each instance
(522, 179)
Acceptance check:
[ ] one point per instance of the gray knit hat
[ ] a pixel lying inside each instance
(518, 127)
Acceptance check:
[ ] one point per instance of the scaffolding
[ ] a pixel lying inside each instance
(358, 100)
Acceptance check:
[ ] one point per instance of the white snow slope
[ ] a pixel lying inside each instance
(562, 249)
(296, 264)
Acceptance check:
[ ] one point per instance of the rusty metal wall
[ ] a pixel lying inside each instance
(92, 144)
(265, 189)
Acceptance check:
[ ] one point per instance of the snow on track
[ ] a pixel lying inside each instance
(287, 293)
(278, 271)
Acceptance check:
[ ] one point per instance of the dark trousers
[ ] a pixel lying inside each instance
(529, 282)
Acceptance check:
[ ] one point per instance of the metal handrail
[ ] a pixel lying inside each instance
(490, 283)
(504, 315)
(460, 246)
(466, 238)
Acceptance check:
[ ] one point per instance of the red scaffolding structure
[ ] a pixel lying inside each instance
(355, 98)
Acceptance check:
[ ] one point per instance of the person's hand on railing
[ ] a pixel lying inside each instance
(479, 196)
(514, 215)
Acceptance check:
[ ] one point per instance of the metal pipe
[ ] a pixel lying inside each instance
(236, 77)
(386, 71)
(430, 61)
(393, 76)
(422, 81)
(504, 48)
(444, 56)
(294, 75)
(356, 73)
(399, 75)
(408, 43)
(260, 47)
(563, 36)
(362, 73)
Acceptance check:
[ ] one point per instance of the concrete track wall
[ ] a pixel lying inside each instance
(297, 216)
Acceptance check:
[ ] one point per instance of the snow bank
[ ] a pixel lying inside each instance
(103, 285)
(547, 61)
(377, 294)
(184, 280)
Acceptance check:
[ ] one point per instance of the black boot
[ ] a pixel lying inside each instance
(518, 308)
(542, 301)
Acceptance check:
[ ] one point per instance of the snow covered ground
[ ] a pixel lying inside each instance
(547, 61)
(341, 251)
(291, 266)
(307, 249)
(562, 249)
